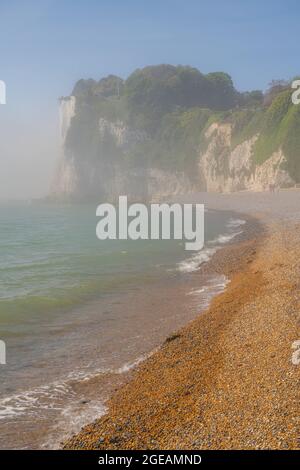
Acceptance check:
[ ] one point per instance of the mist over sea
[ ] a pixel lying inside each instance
(77, 312)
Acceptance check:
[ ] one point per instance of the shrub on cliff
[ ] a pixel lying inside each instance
(174, 105)
(155, 91)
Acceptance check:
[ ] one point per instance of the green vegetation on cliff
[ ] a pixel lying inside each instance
(280, 129)
(174, 106)
(277, 127)
(179, 138)
(153, 92)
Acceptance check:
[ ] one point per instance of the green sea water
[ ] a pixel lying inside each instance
(72, 306)
(52, 260)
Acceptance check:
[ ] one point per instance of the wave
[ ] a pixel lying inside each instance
(53, 395)
(194, 262)
(213, 287)
(224, 238)
(236, 223)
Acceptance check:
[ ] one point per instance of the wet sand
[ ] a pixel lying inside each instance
(226, 380)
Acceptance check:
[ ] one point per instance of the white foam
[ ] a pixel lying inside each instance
(32, 401)
(236, 223)
(131, 365)
(204, 295)
(224, 238)
(193, 263)
(72, 419)
(53, 395)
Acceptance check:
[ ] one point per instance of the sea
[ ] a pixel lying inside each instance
(78, 314)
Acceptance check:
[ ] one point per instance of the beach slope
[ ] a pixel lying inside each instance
(226, 380)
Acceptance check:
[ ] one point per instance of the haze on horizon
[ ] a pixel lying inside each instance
(47, 45)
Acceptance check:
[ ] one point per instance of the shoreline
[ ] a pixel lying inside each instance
(120, 331)
(175, 399)
(211, 284)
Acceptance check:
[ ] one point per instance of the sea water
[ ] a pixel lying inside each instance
(76, 312)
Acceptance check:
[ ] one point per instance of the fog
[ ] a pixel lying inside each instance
(29, 148)
(47, 45)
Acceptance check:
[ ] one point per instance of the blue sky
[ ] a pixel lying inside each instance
(46, 45)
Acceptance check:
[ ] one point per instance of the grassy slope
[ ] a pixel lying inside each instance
(278, 126)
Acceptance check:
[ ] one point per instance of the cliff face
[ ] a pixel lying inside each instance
(171, 130)
(66, 177)
(78, 178)
(223, 168)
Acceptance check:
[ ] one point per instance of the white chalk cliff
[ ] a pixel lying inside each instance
(82, 179)
(226, 169)
(221, 168)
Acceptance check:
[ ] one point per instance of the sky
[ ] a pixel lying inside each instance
(47, 45)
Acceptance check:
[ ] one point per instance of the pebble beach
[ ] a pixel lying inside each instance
(226, 380)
